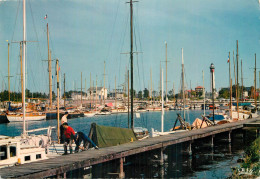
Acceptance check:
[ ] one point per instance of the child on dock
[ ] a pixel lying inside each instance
(69, 136)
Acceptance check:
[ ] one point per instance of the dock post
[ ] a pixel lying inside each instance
(161, 157)
(190, 150)
(121, 168)
(212, 141)
(229, 136)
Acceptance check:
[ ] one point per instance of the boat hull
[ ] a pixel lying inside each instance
(19, 118)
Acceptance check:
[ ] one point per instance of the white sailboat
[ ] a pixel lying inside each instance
(25, 148)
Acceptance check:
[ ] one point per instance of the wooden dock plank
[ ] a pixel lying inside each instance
(66, 163)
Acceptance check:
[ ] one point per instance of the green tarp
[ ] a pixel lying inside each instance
(105, 136)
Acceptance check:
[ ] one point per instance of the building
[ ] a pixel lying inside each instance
(199, 89)
(119, 94)
(100, 93)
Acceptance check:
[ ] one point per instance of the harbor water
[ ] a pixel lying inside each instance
(205, 162)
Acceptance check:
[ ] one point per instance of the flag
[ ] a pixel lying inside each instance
(59, 68)
(228, 59)
(45, 17)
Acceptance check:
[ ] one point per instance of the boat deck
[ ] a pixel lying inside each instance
(62, 164)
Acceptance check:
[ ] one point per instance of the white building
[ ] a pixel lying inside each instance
(100, 93)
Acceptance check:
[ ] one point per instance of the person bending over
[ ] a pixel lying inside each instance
(80, 136)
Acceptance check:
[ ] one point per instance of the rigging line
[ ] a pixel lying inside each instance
(140, 42)
(17, 12)
(108, 52)
(34, 27)
(137, 60)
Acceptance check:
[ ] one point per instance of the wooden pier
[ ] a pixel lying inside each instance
(63, 164)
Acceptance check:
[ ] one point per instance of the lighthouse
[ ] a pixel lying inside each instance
(212, 78)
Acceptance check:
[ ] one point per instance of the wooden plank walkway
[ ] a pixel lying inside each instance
(62, 164)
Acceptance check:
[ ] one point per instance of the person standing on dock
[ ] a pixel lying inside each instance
(63, 120)
(69, 135)
(80, 136)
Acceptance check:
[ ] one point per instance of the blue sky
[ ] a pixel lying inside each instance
(85, 33)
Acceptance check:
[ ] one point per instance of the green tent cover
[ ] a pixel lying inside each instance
(106, 136)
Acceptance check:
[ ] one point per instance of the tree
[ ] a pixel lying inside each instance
(140, 95)
(146, 93)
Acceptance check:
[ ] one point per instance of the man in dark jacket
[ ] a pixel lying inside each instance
(80, 136)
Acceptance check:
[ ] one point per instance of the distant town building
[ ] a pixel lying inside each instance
(99, 92)
(119, 94)
(77, 96)
(199, 89)
(245, 94)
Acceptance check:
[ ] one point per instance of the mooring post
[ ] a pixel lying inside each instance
(190, 150)
(257, 133)
(229, 136)
(121, 168)
(161, 158)
(212, 141)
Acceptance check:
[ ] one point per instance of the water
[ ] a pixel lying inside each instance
(148, 120)
(204, 163)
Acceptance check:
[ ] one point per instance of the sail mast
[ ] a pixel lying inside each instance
(183, 92)
(81, 90)
(132, 65)
(64, 92)
(237, 94)
(203, 94)
(230, 84)
(162, 117)
(115, 94)
(242, 81)
(49, 67)
(8, 73)
(104, 82)
(58, 100)
(166, 73)
(24, 50)
(255, 82)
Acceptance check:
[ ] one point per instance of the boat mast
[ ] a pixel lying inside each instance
(230, 85)
(8, 73)
(203, 95)
(166, 73)
(255, 82)
(242, 81)
(64, 93)
(58, 100)
(183, 92)
(21, 61)
(132, 65)
(24, 50)
(104, 83)
(96, 95)
(49, 67)
(237, 84)
(151, 85)
(81, 91)
(160, 88)
(128, 98)
(90, 92)
(162, 117)
(115, 93)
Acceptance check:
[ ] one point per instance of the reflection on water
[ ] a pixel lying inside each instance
(205, 161)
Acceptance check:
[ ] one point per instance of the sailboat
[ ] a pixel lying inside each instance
(25, 148)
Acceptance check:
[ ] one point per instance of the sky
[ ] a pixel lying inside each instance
(85, 33)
